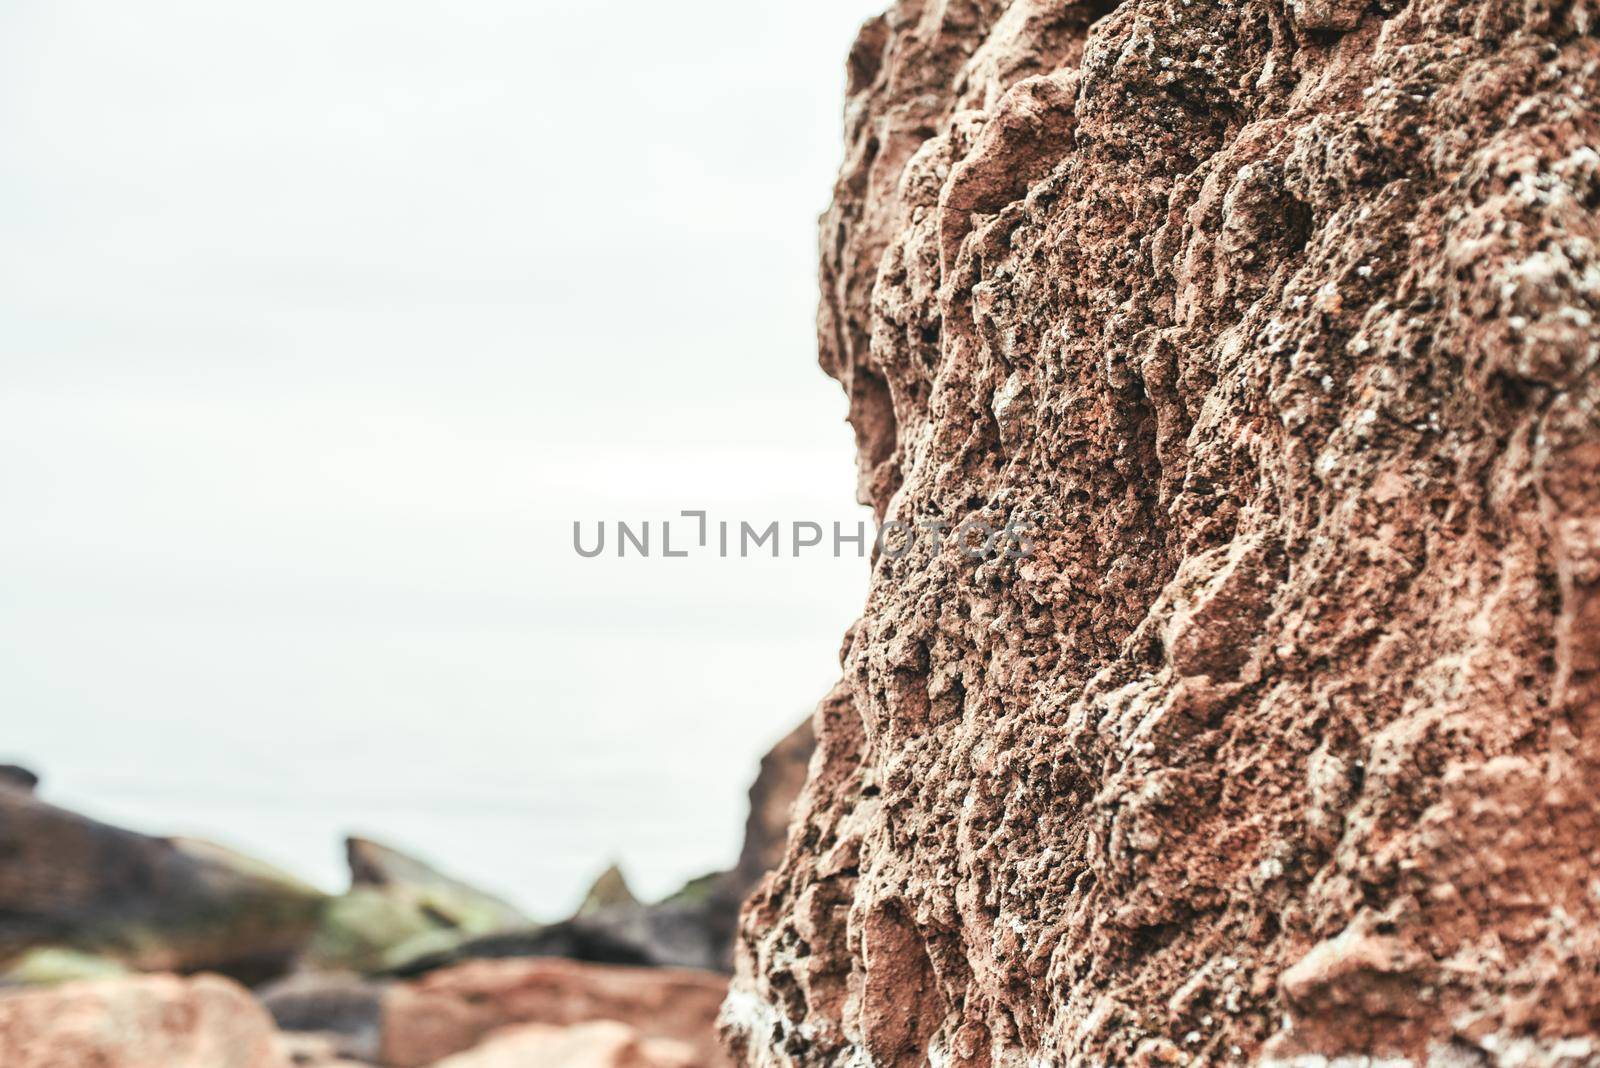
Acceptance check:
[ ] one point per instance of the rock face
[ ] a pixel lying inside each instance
(146, 1022)
(1276, 321)
(80, 887)
(454, 1010)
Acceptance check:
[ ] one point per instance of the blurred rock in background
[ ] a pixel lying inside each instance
(408, 968)
(80, 896)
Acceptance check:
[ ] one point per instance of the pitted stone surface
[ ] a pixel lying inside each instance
(1277, 319)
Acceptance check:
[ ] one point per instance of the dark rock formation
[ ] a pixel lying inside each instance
(693, 928)
(18, 778)
(575, 939)
(1277, 322)
(151, 904)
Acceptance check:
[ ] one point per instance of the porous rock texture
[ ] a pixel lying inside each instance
(1277, 321)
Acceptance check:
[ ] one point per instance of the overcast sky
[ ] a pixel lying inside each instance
(320, 322)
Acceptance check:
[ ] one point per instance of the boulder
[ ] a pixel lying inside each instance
(151, 904)
(455, 1009)
(399, 909)
(157, 1021)
(604, 1044)
(382, 868)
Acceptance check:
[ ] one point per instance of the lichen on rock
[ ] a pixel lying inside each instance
(1278, 322)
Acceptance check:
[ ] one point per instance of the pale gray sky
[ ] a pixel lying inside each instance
(320, 321)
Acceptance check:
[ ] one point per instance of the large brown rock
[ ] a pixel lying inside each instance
(1277, 321)
(151, 904)
(145, 1022)
(453, 1010)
